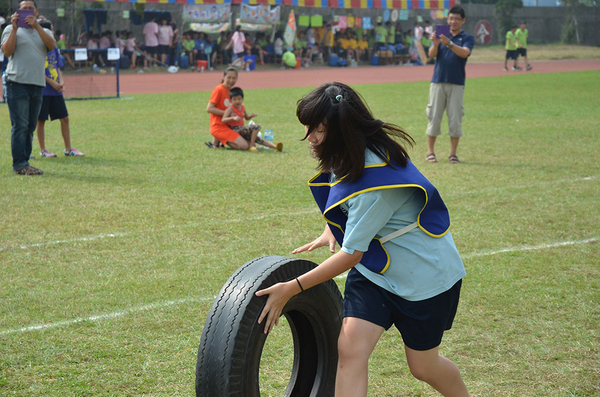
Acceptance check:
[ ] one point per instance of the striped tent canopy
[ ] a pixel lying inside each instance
(389, 4)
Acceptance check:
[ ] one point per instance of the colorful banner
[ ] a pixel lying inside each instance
(260, 15)
(377, 4)
(215, 13)
(209, 27)
(366, 22)
(289, 35)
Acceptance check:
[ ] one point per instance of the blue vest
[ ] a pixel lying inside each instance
(433, 218)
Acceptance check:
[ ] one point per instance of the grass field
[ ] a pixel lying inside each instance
(109, 263)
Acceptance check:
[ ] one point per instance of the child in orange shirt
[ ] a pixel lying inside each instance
(235, 115)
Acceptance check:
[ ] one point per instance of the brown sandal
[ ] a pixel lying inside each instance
(431, 158)
(453, 159)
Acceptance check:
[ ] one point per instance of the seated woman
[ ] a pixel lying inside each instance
(219, 102)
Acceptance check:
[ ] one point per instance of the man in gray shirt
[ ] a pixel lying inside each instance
(26, 48)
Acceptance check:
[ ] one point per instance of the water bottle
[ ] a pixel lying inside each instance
(269, 135)
(3, 86)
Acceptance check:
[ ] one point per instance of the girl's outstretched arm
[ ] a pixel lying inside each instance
(324, 239)
(280, 293)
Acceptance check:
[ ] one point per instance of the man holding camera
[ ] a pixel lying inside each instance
(26, 44)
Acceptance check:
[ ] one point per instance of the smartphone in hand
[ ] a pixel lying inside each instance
(442, 29)
(22, 15)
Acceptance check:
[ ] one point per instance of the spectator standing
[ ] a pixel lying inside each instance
(426, 43)
(428, 28)
(53, 103)
(119, 41)
(329, 40)
(381, 34)
(150, 33)
(174, 50)
(238, 41)
(165, 40)
(418, 32)
(447, 87)
(26, 49)
(225, 52)
(391, 38)
(521, 36)
(511, 49)
(278, 44)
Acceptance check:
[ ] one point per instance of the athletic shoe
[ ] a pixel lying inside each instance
(516, 68)
(47, 153)
(29, 170)
(506, 69)
(74, 153)
(529, 67)
(253, 149)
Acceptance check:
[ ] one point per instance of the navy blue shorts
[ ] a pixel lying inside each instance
(511, 54)
(522, 52)
(53, 105)
(421, 323)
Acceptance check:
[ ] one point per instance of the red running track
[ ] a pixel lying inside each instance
(184, 81)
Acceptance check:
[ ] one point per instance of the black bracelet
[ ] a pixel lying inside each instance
(300, 285)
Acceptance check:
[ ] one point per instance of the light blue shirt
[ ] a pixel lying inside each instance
(421, 266)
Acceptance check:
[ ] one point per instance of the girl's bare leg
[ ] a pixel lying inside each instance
(355, 344)
(439, 372)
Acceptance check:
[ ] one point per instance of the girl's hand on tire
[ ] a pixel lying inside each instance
(279, 295)
(325, 239)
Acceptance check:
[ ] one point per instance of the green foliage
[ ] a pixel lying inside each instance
(504, 11)
(120, 253)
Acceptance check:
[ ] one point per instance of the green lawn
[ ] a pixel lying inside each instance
(109, 263)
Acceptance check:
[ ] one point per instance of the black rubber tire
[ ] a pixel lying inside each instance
(232, 340)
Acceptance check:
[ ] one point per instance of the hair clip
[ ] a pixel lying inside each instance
(339, 98)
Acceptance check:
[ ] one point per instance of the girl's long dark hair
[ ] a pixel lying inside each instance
(350, 129)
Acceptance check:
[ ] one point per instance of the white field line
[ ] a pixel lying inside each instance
(109, 316)
(508, 187)
(161, 305)
(182, 301)
(303, 212)
(532, 248)
(187, 225)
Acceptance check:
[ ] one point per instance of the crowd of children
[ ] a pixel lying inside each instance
(231, 48)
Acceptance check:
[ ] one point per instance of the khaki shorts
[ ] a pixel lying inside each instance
(448, 97)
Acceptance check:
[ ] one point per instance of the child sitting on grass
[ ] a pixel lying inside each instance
(234, 116)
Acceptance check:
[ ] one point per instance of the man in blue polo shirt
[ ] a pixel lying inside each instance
(448, 83)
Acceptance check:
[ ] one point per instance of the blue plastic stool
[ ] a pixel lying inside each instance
(333, 60)
(251, 58)
(184, 62)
